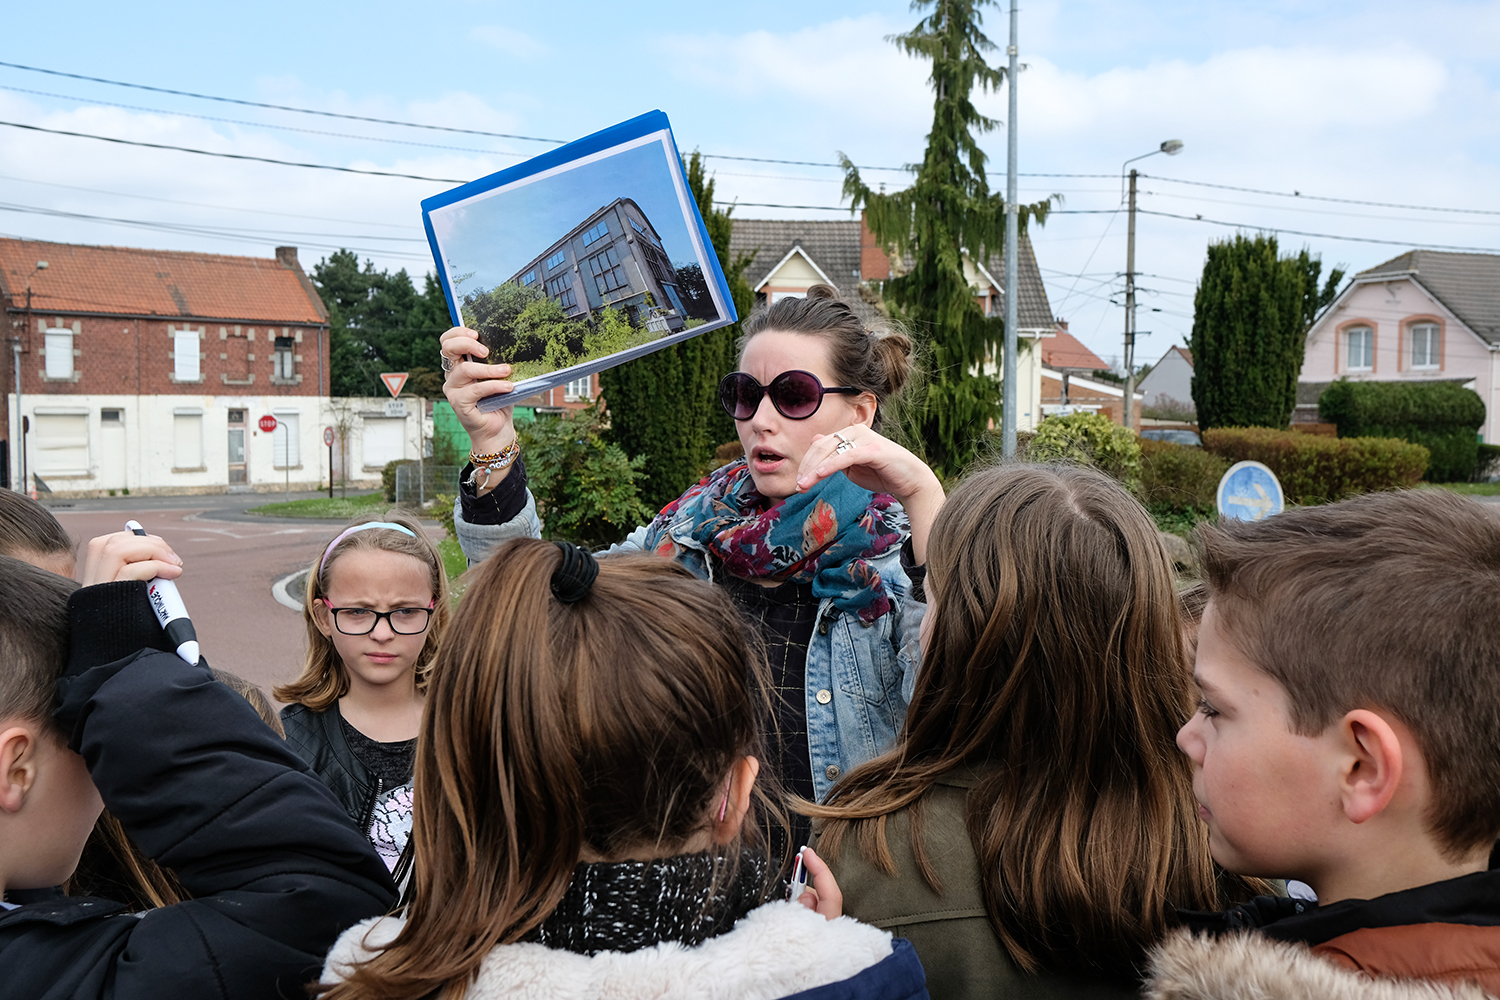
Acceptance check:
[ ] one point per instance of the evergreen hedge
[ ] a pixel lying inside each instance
(1444, 417)
(1179, 478)
(1088, 439)
(1315, 469)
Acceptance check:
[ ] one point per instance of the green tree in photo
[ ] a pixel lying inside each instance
(1250, 319)
(665, 406)
(946, 212)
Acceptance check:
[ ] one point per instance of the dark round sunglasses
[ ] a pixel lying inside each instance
(795, 394)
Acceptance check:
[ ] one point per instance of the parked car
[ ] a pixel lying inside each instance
(1173, 436)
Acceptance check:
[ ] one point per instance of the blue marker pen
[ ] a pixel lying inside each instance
(170, 611)
(799, 877)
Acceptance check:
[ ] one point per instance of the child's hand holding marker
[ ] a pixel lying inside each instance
(826, 897)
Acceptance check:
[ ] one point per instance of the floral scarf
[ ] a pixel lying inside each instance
(825, 536)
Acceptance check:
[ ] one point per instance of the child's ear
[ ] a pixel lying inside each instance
(322, 617)
(727, 825)
(18, 766)
(1371, 766)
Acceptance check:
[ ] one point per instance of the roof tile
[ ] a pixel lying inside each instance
(1467, 283)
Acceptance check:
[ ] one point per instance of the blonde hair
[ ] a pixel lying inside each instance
(324, 679)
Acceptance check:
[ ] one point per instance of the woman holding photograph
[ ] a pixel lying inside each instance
(819, 534)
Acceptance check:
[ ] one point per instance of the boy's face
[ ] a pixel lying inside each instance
(1265, 792)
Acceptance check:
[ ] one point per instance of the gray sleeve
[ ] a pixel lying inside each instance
(479, 540)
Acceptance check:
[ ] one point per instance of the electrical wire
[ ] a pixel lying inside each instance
(1315, 197)
(1321, 211)
(1319, 236)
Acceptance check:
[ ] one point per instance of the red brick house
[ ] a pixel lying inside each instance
(148, 370)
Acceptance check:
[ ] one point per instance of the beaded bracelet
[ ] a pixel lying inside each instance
(492, 463)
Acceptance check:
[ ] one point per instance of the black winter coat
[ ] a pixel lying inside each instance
(202, 785)
(318, 738)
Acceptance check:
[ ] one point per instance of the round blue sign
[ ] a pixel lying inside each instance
(1250, 492)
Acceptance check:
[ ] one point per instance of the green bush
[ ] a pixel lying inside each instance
(442, 512)
(1088, 439)
(1178, 479)
(388, 477)
(1488, 465)
(1442, 416)
(587, 491)
(1315, 469)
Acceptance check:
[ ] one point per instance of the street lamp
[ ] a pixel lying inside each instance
(15, 347)
(1171, 147)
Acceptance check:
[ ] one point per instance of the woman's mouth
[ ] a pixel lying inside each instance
(765, 461)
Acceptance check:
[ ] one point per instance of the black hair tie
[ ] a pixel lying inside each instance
(574, 576)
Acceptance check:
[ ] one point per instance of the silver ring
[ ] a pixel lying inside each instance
(844, 444)
(447, 363)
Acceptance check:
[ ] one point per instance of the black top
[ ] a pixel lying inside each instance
(391, 762)
(786, 616)
(274, 867)
(500, 504)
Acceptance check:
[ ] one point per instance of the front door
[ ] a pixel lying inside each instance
(111, 449)
(236, 447)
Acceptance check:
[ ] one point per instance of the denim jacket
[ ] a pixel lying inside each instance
(859, 677)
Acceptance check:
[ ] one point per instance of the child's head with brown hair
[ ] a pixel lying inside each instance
(1053, 665)
(376, 607)
(48, 803)
(29, 532)
(620, 725)
(1349, 730)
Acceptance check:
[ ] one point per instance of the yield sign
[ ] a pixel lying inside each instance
(393, 381)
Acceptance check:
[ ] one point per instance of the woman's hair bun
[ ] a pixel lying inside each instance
(821, 291)
(893, 360)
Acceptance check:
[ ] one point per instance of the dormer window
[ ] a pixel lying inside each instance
(1426, 347)
(1360, 349)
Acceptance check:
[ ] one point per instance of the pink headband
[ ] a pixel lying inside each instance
(388, 525)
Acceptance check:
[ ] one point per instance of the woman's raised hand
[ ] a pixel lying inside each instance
(880, 465)
(470, 381)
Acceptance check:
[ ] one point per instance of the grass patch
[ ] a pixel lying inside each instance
(1179, 522)
(454, 562)
(1468, 489)
(332, 508)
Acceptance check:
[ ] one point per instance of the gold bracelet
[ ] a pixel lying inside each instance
(491, 464)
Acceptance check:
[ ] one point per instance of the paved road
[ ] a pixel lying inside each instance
(230, 561)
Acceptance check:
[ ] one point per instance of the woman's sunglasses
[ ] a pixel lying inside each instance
(795, 394)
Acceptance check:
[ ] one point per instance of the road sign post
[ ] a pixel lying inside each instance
(328, 440)
(1250, 492)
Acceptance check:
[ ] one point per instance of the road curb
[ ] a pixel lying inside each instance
(283, 592)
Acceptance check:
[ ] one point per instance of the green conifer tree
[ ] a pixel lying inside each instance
(948, 211)
(1250, 319)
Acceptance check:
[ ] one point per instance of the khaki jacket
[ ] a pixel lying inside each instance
(951, 931)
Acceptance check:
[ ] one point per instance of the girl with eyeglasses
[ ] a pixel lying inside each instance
(377, 603)
(819, 533)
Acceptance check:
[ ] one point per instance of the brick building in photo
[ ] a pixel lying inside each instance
(147, 370)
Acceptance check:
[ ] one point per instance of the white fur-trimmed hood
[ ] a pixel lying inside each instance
(776, 950)
(1250, 966)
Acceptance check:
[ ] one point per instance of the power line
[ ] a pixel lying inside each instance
(233, 156)
(240, 121)
(1314, 197)
(1324, 211)
(278, 107)
(1320, 236)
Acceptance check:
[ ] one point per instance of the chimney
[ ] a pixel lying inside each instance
(287, 257)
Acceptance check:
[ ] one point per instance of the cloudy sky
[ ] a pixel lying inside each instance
(1381, 102)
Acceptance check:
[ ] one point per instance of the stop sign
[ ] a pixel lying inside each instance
(267, 423)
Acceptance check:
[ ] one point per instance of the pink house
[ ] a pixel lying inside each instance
(1423, 316)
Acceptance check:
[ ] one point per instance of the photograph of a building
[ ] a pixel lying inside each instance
(612, 259)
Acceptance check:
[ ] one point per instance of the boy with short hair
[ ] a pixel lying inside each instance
(1348, 737)
(94, 711)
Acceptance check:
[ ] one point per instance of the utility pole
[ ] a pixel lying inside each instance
(1012, 225)
(21, 487)
(1129, 410)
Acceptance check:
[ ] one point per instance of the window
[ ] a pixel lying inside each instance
(61, 444)
(1426, 349)
(59, 346)
(582, 388)
(561, 289)
(185, 366)
(116, 417)
(607, 272)
(597, 233)
(282, 360)
(556, 259)
(187, 438)
(637, 227)
(284, 450)
(1361, 352)
(778, 296)
(656, 261)
(528, 277)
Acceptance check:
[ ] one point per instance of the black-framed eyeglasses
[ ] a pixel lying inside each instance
(795, 394)
(362, 621)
